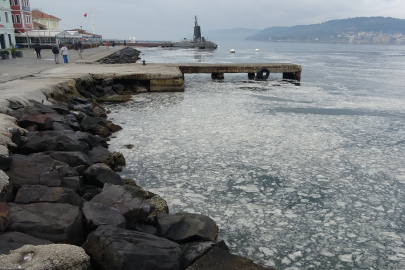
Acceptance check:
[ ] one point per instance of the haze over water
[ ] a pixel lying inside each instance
(296, 177)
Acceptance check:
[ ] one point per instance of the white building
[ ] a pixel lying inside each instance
(7, 37)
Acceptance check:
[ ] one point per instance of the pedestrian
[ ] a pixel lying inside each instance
(108, 45)
(113, 44)
(38, 50)
(64, 53)
(75, 44)
(79, 48)
(55, 50)
(125, 43)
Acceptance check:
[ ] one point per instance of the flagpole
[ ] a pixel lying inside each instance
(92, 17)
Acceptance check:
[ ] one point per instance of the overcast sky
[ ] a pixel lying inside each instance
(172, 19)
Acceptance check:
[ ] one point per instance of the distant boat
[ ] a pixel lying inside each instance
(257, 50)
(232, 51)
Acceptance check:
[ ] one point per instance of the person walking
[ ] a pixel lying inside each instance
(38, 50)
(79, 48)
(113, 44)
(64, 53)
(55, 50)
(108, 45)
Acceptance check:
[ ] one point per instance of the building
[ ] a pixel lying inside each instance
(88, 37)
(7, 38)
(44, 21)
(21, 15)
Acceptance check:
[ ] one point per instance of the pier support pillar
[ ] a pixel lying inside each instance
(292, 75)
(217, 76)
(251, 76)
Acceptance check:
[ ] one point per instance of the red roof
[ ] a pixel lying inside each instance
(36, 14)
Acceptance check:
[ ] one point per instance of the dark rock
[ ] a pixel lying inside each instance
(100, 174)
(91, 140)
(99, 112)
(134, 209)
(89, 192)
(83, 100)
(78, 115)
(5, 163)
(195, 250)
(61, 127)
(99, 155)
(66, 171)
(56, 222)
(80, 169)
(35, 169)
(56, 117)
(96, 214)
(61, 109)
(84, 108)
(118, 88)
(116, 161)
(140, 227)
(220, 259)
(17, 136)
(73, 159)
(41, 108)
(14, 240)
(73, 183)
(7, 193)
(4, 216)
(116, 248)
(14, 105)
(41, 194)
(107, 81)
(185, 227)
(99, 126)
(43, 122)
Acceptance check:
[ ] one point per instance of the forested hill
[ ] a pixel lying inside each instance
(332, 29)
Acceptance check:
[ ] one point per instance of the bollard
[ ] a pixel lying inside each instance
(143, 62)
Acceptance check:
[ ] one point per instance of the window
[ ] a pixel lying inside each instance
(6, 15)
(17, 18)
(11, 2)
(25, 3)
(16, 3)
(12, 18)
(28, 19)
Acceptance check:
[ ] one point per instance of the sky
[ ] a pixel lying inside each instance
(173, 19)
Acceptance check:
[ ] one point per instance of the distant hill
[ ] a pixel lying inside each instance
(334, 29)
(226, 34)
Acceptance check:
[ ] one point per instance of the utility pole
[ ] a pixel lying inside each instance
(92, 19)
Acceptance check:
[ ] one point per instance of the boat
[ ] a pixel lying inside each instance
(198, 41)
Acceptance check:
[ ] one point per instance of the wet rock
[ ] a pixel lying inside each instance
(100, 174)
(195, 250)
(14, 240)
(43, 122)
(116, 248)
(133, 208)
(51, 257)
(91, 140)
(220, 259)
(84, 108)
(117, 161)
(61, 109)
(35, 169)
(73, 183)
(56, 222)
(118, 88)
(40, 194)
(73, 159)
(99, 112)
(92, 124)
(4, 216)
(99, 155)
(96, 214)
(185, 227)
(159, 206)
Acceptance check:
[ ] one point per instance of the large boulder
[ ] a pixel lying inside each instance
(220, 259)
(4, 216)
(195, 250)
(56, 222)
(116, 248)
(50, 257)
(100, 174)
(73, 159)
(96, 214)
(14, 240)
(5, 162)
(185, 227)
(99, 126)
(117, 161)
(42, 121)
(74, 183)
(41, 194)
(99, 155)
(133, 208)
(35, 169)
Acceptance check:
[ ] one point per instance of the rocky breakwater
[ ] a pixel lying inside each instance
(64, 206)
(126, 55)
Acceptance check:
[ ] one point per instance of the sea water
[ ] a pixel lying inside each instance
(308, 176)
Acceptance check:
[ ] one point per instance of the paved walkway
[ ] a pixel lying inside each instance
(28, 65)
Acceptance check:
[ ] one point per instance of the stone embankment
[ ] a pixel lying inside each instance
(124, 56)
(64, 206)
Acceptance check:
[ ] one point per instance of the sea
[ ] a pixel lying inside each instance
(307, 175)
